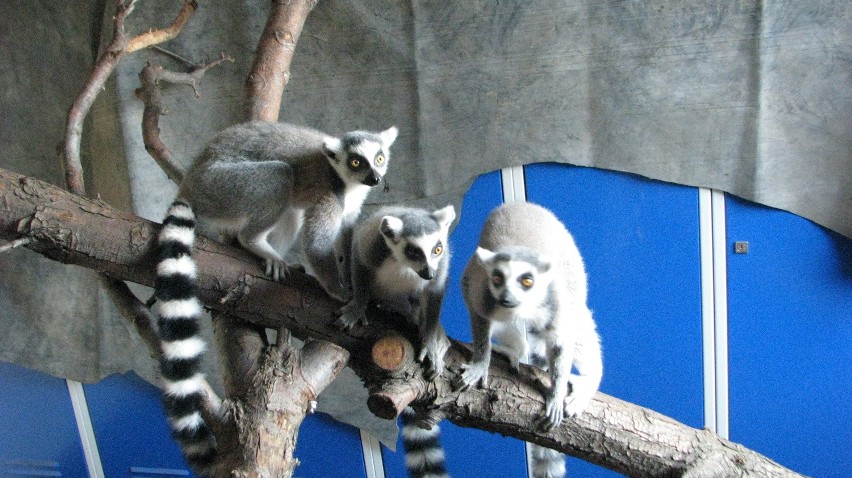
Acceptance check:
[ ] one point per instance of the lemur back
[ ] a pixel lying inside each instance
(526, 287)
(267, 184)
(400, 260)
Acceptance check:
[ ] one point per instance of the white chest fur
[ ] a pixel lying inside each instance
(354, 199)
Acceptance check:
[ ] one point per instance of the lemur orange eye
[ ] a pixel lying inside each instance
(437, 250)
(527, 282)
(355, 163)
(497, 280)
(380, 159)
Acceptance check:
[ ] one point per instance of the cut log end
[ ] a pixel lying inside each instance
(392, 353)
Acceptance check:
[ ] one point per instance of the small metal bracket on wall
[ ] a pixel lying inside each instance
(741, 247)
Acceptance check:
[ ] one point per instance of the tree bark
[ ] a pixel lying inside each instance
(270, 71)
(615, 434)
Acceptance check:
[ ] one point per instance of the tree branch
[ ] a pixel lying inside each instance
(151, 96)
(154, 37)
(117, 48)
(270, 71)
(615, 434)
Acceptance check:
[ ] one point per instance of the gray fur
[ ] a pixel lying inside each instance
(265, 183)
(549, 319)
(382, 272)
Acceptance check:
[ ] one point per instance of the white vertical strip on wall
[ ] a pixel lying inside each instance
(720, 290)
(84, 426)
(373, 462)
(708, 304)
(714, 308)
(514, 189)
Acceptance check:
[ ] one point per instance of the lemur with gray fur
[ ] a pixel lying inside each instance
(526, 287)
(400, 260)
(266, 184)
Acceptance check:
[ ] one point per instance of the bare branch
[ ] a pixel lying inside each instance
(104, 66)
(134, 310)
(270, 71)
(150, 77)
(153, 37)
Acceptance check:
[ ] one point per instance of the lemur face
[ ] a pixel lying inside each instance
(515, 276)
(361, 157)
(419, 243)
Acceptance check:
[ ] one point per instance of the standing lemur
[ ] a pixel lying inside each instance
(400, 261)
(526, 287)
(265, 183)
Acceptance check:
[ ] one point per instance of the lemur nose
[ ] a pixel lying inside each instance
(372, 179)
(508, 301)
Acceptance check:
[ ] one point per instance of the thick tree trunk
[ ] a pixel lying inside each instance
(615, 434)
(257, 431)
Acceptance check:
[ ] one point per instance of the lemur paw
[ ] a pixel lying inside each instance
(553, 414)
(474, 374)
(432, 357)
(276, 270)
(279, 270)
(350, 316)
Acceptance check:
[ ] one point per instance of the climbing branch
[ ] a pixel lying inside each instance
(270, 71)
(151, 77)
(615, 434)
(104, 66)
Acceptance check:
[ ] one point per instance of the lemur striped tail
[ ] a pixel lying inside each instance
(182, 347)
(424, 455)
(545, 463)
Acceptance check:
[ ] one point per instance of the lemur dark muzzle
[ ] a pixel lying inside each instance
(371, 180)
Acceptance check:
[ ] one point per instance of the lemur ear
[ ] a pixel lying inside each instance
(544, 264)
(332, 147)
(445, 216)
(392, 228)
(484, 255)
(389, 135)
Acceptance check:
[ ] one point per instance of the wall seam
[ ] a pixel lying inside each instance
(85, 428)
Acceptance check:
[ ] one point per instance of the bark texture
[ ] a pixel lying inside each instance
(270, 72)
(615, 434)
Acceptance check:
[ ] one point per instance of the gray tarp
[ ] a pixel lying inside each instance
(752, 98)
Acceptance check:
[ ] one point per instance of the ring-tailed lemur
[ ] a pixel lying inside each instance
(400, 260)
(526, 287)
(265, 183)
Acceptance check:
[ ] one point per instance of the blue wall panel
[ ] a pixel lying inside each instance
(640, 242)
(38, 432)
(790, 320)
(327, 448)
(131, 429)
(469, 451)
